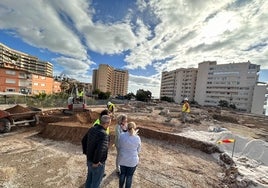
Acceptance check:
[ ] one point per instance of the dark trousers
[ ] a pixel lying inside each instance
(126, 175)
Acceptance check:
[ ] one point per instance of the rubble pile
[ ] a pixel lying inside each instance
(17, 109)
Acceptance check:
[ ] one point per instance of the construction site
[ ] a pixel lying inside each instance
(173, 154)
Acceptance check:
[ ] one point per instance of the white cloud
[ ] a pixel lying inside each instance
(40, 26)
(146, 83)
(198, 31)
(173, 34)
(109, 39)
(75, 68)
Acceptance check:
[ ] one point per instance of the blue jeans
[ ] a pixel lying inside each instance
(94, 175)
(126, 174)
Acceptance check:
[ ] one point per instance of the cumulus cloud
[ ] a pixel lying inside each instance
(199, 31)
(40, 26)
(75, 68)
(164, 34)
(146, 83)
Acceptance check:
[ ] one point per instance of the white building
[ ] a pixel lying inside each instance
(235, 83)
(259, 99)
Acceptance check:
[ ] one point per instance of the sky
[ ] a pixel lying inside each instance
(144, 37)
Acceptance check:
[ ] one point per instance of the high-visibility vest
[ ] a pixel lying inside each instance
(80, 94)
(111, 107)
(97, 122)
(186, 107)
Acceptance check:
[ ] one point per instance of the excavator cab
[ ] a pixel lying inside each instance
(76, 102)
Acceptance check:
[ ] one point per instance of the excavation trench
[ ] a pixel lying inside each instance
(167, 159)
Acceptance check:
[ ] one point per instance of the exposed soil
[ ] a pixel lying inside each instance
(50, 154)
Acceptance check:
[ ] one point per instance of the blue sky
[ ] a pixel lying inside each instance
(145, 37)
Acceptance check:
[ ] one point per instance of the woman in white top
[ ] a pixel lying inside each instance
(129, 149)
(120, 127)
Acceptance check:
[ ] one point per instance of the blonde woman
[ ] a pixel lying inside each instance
(120, 127)
(129, 149)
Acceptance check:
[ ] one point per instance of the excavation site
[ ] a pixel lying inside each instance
(173, 154)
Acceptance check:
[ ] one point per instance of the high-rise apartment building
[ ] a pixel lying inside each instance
(120, 85)
(236, 83)
(178, 84)
(23, 73)
(108, 79)
(10, 58)
(167, 88)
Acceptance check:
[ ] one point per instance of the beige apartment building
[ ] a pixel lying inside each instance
(178, 84)
(236, 83)
(108, 79)
(167, 88)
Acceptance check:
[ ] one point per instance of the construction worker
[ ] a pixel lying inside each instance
(111, 107)
(185, 109)
(80, 95)
(97, 122)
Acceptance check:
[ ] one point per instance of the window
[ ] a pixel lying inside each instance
(22, 75)
(35, 84)
(10, 81)
(10, 90)
(10, 72)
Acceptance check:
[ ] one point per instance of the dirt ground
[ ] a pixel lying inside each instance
(50, 154)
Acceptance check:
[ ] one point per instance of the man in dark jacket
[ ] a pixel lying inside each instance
(95, 146)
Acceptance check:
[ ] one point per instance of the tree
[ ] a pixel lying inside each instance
(104, 95)
(168, 99)
(142, 95)
(129, 96)
(64, 86)
(223, 103)
(233, 106)
(14, 57)
(96, 92)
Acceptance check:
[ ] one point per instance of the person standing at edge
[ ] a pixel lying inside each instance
(120, 127)
(185, 110)
(97, 122)
(129, 149)
(111, 107)
(95, 146)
